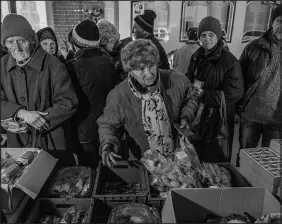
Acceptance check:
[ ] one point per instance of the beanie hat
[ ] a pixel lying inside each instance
(146, 20)
(276, 12)
(108, 30)
(16, 25)
(85, 34)
(210, 24)
(192, 33)
(46, 33)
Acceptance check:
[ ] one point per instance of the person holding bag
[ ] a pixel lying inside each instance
(217, 78)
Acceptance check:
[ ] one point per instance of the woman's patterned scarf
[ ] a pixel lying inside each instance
(155, 120)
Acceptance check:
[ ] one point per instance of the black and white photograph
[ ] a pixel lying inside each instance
(141, 112)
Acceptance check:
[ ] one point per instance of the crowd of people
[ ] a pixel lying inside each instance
(107, 89)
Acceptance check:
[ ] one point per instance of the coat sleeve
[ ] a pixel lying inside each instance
(65, 101)
(111, 121)
(8, 109)
(189, 104)
(233, 88)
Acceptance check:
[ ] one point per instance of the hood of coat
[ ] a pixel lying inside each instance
(40, 32)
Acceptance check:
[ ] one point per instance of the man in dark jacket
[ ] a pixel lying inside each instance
(146, 104)
(35, 89)
(215, 71)
(143, 27)
(48, 41)
(261, 106)
(94, 76)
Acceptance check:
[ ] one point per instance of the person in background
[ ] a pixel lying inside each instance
(109, 38)
(143, 28)
(93, 75)
(225, 45)
(145, 104)
(36, 89)
(70, 53)
(260, 109)
(182, 56)
(213, 70)
(170, 57)
(48, 41)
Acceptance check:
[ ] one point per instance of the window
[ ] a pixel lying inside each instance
(34, 12)
(161, 23)
(4, 9)
(257, 20)
(194, 11)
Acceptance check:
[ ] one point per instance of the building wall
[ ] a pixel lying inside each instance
(236, 47)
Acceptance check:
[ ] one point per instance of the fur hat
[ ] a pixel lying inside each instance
(85, 34)
(137, 53)
(146, 20)
(108, 30)
(16, 25)
(276, 12)
(210, 24)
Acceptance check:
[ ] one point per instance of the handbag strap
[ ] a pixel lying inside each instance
(223, 112)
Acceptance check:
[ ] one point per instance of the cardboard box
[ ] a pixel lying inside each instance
(30, 182)
(262, 168)
(194, 205)
(276, 145)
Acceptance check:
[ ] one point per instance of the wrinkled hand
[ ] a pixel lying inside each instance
(34, 118)
(184, 124)
(108, 155)
(4, 139)
(198, 92)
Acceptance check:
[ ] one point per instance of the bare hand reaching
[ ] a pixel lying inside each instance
(34, 118)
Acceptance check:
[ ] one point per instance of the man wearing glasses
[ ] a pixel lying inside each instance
(145, 104)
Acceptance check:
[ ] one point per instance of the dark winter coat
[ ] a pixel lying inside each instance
(255, 57)
(164, 64)
(220, 71)
(42, 85)
(124, 110)
(93, 75)
(58, 53)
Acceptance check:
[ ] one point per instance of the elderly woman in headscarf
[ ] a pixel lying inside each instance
(48, 41)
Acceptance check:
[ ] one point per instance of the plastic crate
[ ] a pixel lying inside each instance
(125, 172)
(237, 180)
(57, 206)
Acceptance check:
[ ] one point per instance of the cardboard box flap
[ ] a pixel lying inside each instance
(194, 205)
(36, 174)
(276, 145)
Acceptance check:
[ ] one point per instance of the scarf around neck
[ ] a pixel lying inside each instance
(155, 120)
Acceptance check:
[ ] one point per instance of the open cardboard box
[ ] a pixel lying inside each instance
(30, 182)
(194, 205)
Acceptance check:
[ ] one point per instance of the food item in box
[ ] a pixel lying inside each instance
(77, 218)
(14, 168)
(233, 218)
(118, 187)
(68, 215)
(72, 182)
(270, 218)
(47, 219)
(56, 220)
(134, 213)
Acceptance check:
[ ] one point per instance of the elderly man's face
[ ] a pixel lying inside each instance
(208, 39)
(49, 46)
(19, 48)
(277, 27)
(146, 75)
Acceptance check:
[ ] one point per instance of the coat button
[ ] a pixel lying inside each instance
(23, 98)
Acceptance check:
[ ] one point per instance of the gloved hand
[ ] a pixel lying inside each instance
(108, 154)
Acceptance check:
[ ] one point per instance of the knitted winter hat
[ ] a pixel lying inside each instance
(85, 34)
(146, 20)
(46, 34)
(16, 25)
(108, 30)
(210, 24)
(276, 12)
